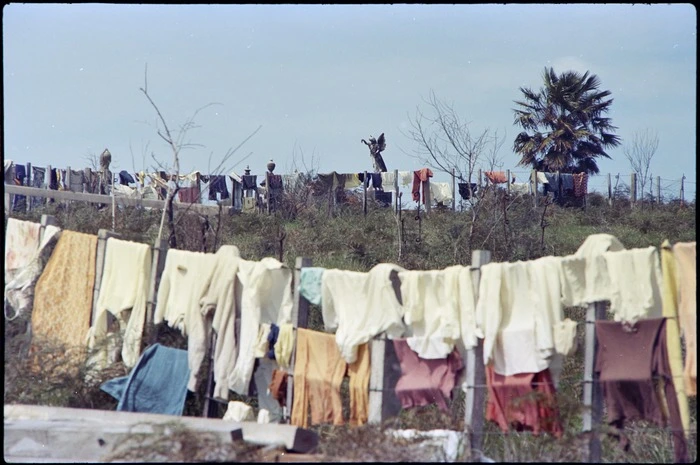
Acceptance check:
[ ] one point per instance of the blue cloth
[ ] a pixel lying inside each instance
(272, 340)
(310, 284)
(217, 183)
(157, 384)
(125, 178)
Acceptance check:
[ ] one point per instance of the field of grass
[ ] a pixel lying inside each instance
(345, 238)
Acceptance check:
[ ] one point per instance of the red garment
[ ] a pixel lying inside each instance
(629, 361)
(419, 176)
(425, 382)
(525, 401)
(496, 177)
(580, 184)
(188, 194)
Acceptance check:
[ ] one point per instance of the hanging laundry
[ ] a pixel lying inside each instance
(523, 402)
(38, 181)
(156, 384)
(218, 303)
(249, 182)
(425, 381)
(673, 338)
(64, 292)
(284, 345)
(629, 359)
(239, 411)
(406, 178)
(580, 181)
(262, 377)
(388, 178)
(420, 176)
(266, 297)
(278, 386)
(126, 278)
(77, 181)
(53, 179)
(360, 306)
(21, 280)
(635, 281)
(21, 244)
(189, 194)
(464, 190)
(496, 177)
(271, 341)
(375, 179)
(183, 282)
(686, 268)
(319, 370)
(125, 178)
(19, 201)
(310, 284)
(217, 185)
(262, 345)
(441, 192)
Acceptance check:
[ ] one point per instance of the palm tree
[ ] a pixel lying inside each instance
(563, 125)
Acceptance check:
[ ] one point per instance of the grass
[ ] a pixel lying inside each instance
(347, 239)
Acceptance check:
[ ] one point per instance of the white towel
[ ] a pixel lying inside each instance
(21, 244)
(239, 411)
(440, 192)
(124, 286)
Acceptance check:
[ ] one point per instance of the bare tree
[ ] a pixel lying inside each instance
(640, 153)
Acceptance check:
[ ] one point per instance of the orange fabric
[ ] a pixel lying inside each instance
(278, 386)
(524, 402)
(420, 176)
(580, 184)
(496, 177)
(358, 372)
(318, 372)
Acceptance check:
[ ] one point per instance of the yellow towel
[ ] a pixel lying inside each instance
(63, 294)
(685, 256)
(284, 345)
(673, 339)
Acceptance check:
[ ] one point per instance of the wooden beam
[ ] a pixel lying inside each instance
(475, 398)
(592, 390)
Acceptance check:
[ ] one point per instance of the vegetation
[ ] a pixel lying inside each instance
(564, 127)
(511, 228)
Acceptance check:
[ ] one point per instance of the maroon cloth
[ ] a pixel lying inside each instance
(419, 176)
(580, 184)
(423, 381)
(188, 194)
(524, 402)
(629, 361)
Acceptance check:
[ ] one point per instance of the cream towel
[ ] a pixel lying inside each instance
(239, 411)
(405, 178)
(635, 280)
(360, 306)
(262, 345)
(440, 192)
(220, 300)
(21, 244)
(686, 270)
(265, 297)
(183, 283)
(431, 310)
(125, 283)
(284, 345)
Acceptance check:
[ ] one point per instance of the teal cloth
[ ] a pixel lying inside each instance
(310, 284)
(157, 384)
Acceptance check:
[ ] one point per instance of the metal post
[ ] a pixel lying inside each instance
(475, 398)
(592, 390)
(683, 190)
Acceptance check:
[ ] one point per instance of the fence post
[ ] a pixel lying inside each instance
(46, 220)
(683, 190)
(592, 390)
(102, 236)
(159, 253)
(559, 187)
(658, 190)
(475, 398)
(533, 183)
(364, 194)
(508, 181)
(28, 183)
(454, 192)
(300, 319)
(479, 180)
(609, 190)
(396, 190)
(426, 194)
(633, 188)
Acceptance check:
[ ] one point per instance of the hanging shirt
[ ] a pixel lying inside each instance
(686, 269)
(217, 184)
(440, 192)
(310, 284)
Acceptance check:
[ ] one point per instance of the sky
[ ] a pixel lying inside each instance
(303, 84)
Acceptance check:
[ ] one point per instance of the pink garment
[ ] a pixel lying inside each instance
(420, 176)
(425, 382)
(188, 194)
(496, 177)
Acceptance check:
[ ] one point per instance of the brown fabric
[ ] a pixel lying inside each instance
(496, 177)
(580, 184)
(359, 372)
(63, 293)
(278, 386)
(318, 372)
(630, 361)
(524, 402)
(686, 270)
(423, 381)
(420, 176)
(188, 194)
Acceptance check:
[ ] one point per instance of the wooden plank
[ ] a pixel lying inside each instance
(102, 236)
(592, 390)
(159, 253)
(120, 201)
(475, 398)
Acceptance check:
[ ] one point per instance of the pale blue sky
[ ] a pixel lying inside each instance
(318, 78)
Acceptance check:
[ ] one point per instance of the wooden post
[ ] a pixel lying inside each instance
(658, 190)
(364, 194)
(633, 188)
(533, 178)
(475, 398)
(396, 190)
(426, 194)
(508, 181)
(592, 390)
(114, 206)
(9, 198)
(558, 187)
(454, 192)
(66, 181)
(46, 220)
(28, 183)
(479, 180)
(300, 319)
(683, 190)
(159, 252)
(268, 195)
(102, 236)
(610, 189)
